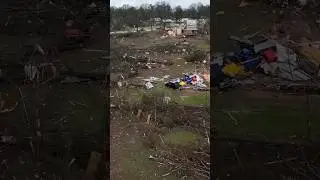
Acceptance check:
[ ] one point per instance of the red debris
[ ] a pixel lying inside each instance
(270, 56)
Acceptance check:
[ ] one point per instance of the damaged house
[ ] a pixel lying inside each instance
(190, 27)
(186, 27)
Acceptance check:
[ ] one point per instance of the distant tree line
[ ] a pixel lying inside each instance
(134, 17)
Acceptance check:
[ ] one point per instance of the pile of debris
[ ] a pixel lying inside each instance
(152, 80)
(259, 54)
(177, 47)
(151, 57)
(172, 32)
(189, 81)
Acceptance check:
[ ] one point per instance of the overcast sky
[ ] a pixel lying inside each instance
(173, 3)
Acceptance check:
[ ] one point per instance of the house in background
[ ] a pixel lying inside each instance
(190, 27)
(186, 27)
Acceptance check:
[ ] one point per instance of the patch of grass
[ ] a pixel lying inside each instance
(129, 97)
(159, 97)
(181, 138)
(163, 47)
(197, 99)
(267, 116)
(272, 123)
(203, 46)
(135, 163)
(196, 56)
(134, 152)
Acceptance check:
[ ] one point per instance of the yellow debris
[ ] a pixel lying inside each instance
(312, 54)
(182, 83)
(233, 70)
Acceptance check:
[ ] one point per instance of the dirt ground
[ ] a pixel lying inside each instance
(55, 126)
(134, 141)
(258, 115)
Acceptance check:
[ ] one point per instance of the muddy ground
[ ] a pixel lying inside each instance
(261, 116)
(55, 126)
(142, 145)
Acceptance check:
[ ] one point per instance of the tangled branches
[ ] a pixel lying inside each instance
(185, 162)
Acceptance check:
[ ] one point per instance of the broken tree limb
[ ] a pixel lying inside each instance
(8, 109)
(139, 113)
(249, 36)
(238, 158)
